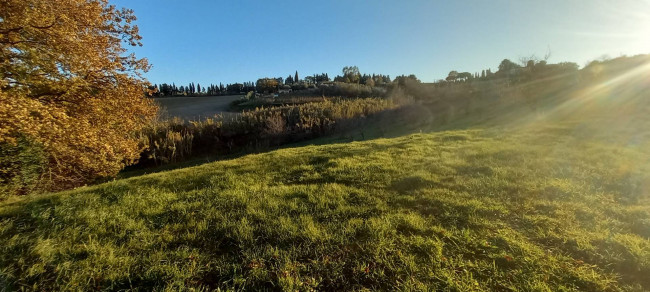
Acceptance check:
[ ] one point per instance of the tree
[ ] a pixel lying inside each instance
(235, 88)
(452, 76)
(464, 76)
(404, 80)
(370, 82)
(296, 79)
(530, 63)
(351, 73)
(506, 66)
(67, 89)
(267, 85)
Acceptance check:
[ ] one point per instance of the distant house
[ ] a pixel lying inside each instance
(283, 90)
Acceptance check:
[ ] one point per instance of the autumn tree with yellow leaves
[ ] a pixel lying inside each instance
(71, 99)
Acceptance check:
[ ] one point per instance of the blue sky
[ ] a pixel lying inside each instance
(234, 41)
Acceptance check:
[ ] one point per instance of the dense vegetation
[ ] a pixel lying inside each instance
(176, 140)
(270, 85)
(545, 205)
(70, 100)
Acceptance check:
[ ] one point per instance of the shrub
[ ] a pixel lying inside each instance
(167, 142)
(249, 95)
(340, 89)
(174, 140)
(22, 167)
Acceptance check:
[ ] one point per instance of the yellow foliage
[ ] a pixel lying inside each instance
(66, 84)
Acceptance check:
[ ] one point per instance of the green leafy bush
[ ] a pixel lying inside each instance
(22, 167)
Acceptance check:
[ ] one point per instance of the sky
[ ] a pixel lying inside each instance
(235, 41)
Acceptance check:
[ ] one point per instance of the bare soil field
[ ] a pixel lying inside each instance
(196, 108)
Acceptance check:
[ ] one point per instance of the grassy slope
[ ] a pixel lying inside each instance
(545, 206)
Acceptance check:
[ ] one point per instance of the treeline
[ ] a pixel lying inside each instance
(352, 83)
(351, 74)
(537, 87)
(192, 89)
(526, 70)
(269, 85)
(263, 85)
(529, 69)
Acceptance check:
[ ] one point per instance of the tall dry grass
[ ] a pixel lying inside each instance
(174, 140)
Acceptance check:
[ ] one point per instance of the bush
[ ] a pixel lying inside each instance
(174, 140)
(22, 167)
(167, 142)
(249, 95)
(340, 89)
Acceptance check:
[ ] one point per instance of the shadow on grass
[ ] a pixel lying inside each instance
(389, 124)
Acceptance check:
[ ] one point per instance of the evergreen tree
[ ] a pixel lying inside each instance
(296, 79)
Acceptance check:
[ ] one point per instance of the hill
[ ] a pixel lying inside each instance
(544, 205)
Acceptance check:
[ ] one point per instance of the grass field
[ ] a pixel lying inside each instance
(197, 107)
(550, 205)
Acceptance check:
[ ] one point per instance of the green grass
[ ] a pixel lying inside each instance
(546, 206)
